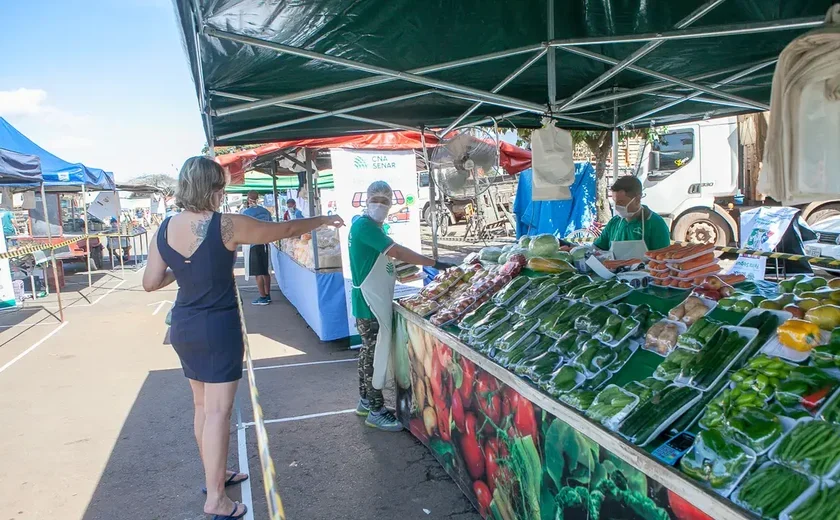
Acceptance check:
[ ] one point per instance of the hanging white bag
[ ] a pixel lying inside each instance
(552, 162)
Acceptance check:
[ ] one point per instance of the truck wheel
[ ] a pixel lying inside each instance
(702, 227)
(824, 212)
(427, 214)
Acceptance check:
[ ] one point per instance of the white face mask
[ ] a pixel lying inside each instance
(624, 213)
(377, 211)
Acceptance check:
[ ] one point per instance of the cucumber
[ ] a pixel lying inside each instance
(646, 418)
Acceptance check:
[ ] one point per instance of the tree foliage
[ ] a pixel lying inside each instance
(163, 182)
(222, 150)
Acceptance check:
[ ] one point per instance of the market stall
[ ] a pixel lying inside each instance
(547, 393)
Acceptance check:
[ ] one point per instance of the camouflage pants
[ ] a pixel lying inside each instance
(368, 330)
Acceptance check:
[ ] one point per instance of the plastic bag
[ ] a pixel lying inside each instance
(754, 427)
(552, 162)
(671, 367)
(715, 460)
(611, 406)
(564, 379)
(513, 289)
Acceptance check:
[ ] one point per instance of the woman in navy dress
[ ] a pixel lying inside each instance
(197, 249)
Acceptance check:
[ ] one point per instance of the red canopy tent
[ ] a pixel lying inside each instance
(512, 158)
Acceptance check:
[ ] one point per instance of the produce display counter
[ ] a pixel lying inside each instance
(326, 312)
(520, 452)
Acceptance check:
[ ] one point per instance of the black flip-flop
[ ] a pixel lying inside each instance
(230, 482)
(231, 515)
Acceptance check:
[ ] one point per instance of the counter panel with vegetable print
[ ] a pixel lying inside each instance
(512, 459)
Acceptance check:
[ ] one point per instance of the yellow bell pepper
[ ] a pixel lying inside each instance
(826, 316)
(799, 334)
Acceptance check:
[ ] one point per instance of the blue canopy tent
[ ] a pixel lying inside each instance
(558, 217)
(56, 171)
(22, 171)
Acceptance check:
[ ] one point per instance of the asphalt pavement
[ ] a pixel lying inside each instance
(98, 418)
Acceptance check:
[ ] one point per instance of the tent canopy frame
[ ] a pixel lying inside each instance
(554, 110)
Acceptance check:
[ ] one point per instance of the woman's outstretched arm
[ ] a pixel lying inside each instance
(240, 229)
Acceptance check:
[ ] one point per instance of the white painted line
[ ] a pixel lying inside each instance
(310, 363)
(159, 304)
(33, 347)
(304, 417)
(27, 325)
(112, 289)
(245, 487)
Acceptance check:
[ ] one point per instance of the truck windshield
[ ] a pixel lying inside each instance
(675, 150)
(423, 180)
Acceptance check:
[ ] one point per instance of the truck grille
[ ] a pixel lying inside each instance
(825, 237)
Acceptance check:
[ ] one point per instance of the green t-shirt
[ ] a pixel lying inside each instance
(366, 242)
(657, 234)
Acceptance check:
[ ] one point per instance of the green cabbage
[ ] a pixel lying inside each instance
(544, 245)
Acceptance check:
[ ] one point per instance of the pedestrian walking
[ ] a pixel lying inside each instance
(197, 248)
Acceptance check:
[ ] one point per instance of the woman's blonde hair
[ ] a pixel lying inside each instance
(198, 180)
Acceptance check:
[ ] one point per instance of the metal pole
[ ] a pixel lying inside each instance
(315, 117)
(316, 111)
(87, 238)
(638, 54)
(483, 95)
(704, 32)
(357, 84)
(551, 59)
(615, 153)
(666, 77)
(722, 82)
(274, 189)
(432, 196)
(52, 254)
(522, 68)
(308, 155)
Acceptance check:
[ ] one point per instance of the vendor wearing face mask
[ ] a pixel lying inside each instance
(635, 228)
(373, 272)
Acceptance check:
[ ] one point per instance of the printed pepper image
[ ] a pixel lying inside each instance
(799, 334)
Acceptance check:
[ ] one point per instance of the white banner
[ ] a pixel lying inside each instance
(7, 290)
(762, 229)
(353, 172)
(105, 205)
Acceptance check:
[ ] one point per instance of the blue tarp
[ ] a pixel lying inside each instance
(56, 171)
(17, 168)
(559, 217)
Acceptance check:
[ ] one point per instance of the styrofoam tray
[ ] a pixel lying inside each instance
(736, 496)
(689, 276)
(819, 415)
(613, 422)
(536, 309)
(710, 306)
(773, 347)
(579, 380)
(725, 492)
(611, 300)
(664, 424)
(681, 328)
(831, 473)
(616, 342)
(808, 493)
(522, 289)
(710, 249)
(633, 346)
(747, 332)
(688, 272)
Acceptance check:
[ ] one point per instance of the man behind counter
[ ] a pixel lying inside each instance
(633, 219)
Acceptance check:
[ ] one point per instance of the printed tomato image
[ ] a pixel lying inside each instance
(489, 400)
(484, 497)
(467, 381)
(458, 412)
(494, 450)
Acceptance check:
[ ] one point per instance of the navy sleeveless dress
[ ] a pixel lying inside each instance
(206, 331)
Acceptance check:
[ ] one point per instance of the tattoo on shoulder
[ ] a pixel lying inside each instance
(199, 230)
(227, 229)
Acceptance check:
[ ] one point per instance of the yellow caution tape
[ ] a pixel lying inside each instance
(272, 496)
(33, 248)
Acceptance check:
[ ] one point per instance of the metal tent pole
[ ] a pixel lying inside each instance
(52, 254)
(432, 195)
(666, 77)
(640, 53)
(551, 61)
(483, 95)
(274, 189)
(513, 75)
(688, 97)
(87, 238)
(615, 153)
(302, 108)
(309, 160)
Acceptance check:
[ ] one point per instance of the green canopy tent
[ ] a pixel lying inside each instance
(262, 182)
(271, 70)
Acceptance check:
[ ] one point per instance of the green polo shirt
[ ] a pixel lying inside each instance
(657, 233)
(366, 242)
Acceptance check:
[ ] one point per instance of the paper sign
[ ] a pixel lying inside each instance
(599, 268)
(753, 267)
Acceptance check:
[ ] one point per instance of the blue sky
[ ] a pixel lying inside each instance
(103, 82)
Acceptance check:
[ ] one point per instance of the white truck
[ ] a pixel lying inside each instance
(691, 177)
